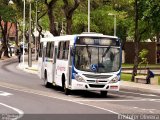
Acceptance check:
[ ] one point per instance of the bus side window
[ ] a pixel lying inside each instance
(59, 44)
(46, 51)
(63, 49)
(46, 54)
(66, 50)
(51, 49)
(55, 54)
(40, 49)
(60, 50)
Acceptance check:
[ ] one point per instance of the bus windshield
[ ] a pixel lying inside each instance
(100, 59)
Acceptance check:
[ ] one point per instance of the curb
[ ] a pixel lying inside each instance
(28, 69)
(13, 57)
(140, 89)
(34, 69)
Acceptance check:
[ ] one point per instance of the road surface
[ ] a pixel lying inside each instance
(23, 96)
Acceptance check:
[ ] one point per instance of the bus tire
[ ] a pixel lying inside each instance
(46, 83)
(104, 93)
(66, 90)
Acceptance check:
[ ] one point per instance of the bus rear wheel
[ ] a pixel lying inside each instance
(104, 93)
(46, 83)
(66, 90)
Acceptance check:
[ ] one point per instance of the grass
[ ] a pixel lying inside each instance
(127, 77)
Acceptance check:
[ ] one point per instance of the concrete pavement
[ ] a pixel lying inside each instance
(125, 85)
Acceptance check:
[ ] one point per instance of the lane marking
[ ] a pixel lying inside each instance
(128, 96)
(5, 93)
(145, 109)
(150, 95)
(119, 115)
(47, 94)
(42, 94)
(20, 112)
(154, 100)
(94, 100)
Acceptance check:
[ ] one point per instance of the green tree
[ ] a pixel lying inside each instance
(50, 11)
(151, 15)
(69, 8)
(7, 14)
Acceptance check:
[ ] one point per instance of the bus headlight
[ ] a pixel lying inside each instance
(79, 78)
(114, 80)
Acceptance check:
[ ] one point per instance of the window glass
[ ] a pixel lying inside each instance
(51, 49)
(66, 50)
(40, 49)
(63, 49)
(48, 48)
(60, 50)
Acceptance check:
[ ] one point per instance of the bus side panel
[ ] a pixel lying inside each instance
(49, 71)
(61, 68)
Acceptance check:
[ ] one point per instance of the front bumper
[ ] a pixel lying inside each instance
(95, 86)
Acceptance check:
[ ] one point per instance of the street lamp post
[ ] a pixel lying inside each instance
(36, 32)
(23, 28)
(114, 22)
(29, 44)
(88, 16)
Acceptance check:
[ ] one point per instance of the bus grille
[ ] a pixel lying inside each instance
(97, 76)
(99, 81)
(96, 86)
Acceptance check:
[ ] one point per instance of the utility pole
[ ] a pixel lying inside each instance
(29, 44)
(36, 33)
(23, 27)
(88, 16)
(114, 22)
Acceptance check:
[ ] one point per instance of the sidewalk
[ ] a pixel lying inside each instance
(125, 85)
(140, 87)
(25, 67)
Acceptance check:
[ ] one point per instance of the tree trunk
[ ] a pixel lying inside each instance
(5, 42)
(68, 11)
(136, 46)
(157, 36)
(51, 16)
(52, 23)
(69, 26)
(135, 67)
(17, 39)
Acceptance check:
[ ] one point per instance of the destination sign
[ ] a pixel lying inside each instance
(97, 41)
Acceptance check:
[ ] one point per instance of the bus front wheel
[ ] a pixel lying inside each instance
(104, 93)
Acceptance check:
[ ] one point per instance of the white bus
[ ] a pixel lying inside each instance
(87, 61)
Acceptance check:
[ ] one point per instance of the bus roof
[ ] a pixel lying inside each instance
(72, 37)
(92, 34)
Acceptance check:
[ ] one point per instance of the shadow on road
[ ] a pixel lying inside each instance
(82, 93)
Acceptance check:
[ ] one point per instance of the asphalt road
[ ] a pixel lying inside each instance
(23, 96)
